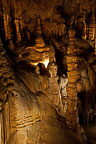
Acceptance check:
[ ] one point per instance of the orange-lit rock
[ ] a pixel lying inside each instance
(72, 112)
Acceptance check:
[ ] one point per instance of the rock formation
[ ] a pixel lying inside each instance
(72, 64)
(47, 71)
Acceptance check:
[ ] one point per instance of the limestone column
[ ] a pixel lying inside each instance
(72, 74)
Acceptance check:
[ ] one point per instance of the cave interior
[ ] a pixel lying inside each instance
(47, 71)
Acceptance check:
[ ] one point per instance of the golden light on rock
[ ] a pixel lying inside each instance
(34, 64)
(45, 62)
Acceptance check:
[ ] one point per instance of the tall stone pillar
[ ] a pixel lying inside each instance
(72, 74)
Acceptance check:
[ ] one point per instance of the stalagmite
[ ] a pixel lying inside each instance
(53, 84)
(63, 91)
(54, 92)
(72, 112)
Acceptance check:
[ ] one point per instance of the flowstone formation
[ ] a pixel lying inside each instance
(47, 71)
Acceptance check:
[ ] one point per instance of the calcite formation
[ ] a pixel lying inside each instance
(47, 71)
(18, 35)
(72, 64)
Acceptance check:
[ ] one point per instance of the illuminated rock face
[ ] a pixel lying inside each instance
(48, 70)
(39, 52)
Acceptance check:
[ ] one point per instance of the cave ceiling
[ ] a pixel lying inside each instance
(24, 23)
(55, 19)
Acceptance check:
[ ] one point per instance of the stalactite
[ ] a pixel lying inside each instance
(7, 28)
(39, 42)
(5, 25)
(84, 22)
(17, 25)
(92, 27)
(18, 35)
(72, 112)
